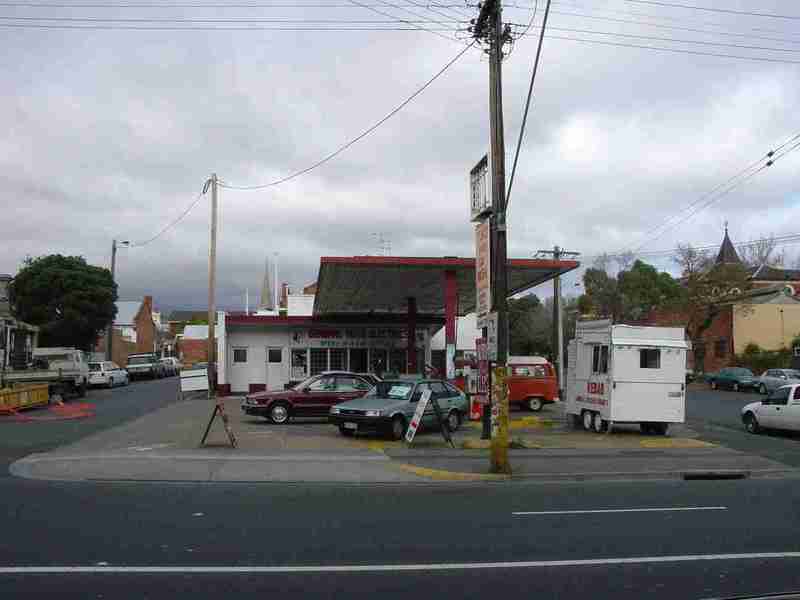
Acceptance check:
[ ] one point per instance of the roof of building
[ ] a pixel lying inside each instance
(127, 311)
(774, 294)
(767, 273)
(727, 253)
(358, 285)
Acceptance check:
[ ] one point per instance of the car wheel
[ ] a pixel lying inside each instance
(81, 390)
(279, 413)
(600, 425)
(110, 382)
(453, 420)
(535, 404)
(346, 432)
(713, 384)
(398, 428)
(588, 420)
(751, 423)
(762, 389)
(735, 387)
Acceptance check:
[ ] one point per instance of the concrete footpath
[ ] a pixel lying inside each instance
(163, 446)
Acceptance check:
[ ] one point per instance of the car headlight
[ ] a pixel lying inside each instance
(335, 411)
(373, 413)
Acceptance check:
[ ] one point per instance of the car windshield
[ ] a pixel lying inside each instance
(95, 367)
(391, 390)
(140, 360)
(742, 372)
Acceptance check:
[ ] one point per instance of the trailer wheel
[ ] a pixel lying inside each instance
(646, 428)
(588, 420)
(660, 428)
(599, 423)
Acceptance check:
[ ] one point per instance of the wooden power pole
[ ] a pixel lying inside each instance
(489, 28)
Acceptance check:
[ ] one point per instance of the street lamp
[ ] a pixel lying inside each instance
(110, 328)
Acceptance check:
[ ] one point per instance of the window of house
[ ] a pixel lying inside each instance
(649, 358)
(275, 355)
(721, 347)
(240, 355)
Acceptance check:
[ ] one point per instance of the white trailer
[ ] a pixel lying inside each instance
(626, 374)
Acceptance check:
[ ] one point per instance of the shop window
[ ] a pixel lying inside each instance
(338, 359)
(649, 358)
(240, 355)
(319, 360)
(721, 348)
(299, 364)
(275, 355)
(358, 360)
(397, 361)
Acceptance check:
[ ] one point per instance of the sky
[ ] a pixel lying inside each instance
(109, 129)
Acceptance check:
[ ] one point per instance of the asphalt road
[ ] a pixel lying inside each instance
(421, 528)
(716, 415)
(112, 407)
(303, 541)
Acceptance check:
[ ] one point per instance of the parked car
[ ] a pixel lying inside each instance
(733, 378)
(389, 406)
(107, 374)
(779, 410)
(171, 366)
(310, 398)
(772, 379)
(146, 364)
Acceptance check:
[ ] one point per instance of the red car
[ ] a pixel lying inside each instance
(311, 398)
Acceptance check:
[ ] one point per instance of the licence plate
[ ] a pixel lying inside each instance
(351, 425)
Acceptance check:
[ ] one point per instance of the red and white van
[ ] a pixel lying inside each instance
(532, 382)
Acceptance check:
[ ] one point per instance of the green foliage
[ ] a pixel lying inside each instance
(758, 360)
(631, 295)
(70, 300)
(530, 325)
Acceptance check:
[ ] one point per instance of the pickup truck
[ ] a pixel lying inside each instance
(146, 364)
(65, 370)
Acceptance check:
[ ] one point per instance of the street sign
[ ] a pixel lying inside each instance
(195, 380)
(416, 420)
(483, 291)
(491, 335)
(480, 188)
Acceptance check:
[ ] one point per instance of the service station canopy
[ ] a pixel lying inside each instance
(382, 285)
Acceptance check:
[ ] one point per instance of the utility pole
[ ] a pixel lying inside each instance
(212, 284)
(489, 28)
(110, 328)
(558, 325)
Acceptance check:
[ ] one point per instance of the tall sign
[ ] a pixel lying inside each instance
(483, 289)
(480, 197)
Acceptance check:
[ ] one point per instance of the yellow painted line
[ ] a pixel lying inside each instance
(442, 475)
(674, 443)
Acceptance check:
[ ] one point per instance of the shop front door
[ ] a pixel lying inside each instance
(276, 373)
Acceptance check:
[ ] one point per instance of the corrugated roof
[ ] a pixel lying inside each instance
(766, 273)
(127, 311)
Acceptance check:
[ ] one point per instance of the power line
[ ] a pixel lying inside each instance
(171, 5)
(527, 102)
(716, 10)
(675, 50)
(212, 28)
(391, 16)
(359, 137)
(172, 223)
(224, 21)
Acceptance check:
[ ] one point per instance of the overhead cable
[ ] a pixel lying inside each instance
(729, 11)
(359, 137)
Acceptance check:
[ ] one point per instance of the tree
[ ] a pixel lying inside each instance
(602, 296)
(691, 260)
(522, 314)
(762, 252)
(642, 288)
(625, 259)
(70, 300)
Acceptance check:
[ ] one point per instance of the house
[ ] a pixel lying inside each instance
(17, 338)
(178, 319)
(192, 345)
(134, 330)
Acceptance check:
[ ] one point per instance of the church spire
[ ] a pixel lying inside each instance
(727, 253)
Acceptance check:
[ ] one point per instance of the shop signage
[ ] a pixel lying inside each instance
(483, 366)
(491, 336)
(358, 337)
(416, 420)
(480, 190)
(483, 302)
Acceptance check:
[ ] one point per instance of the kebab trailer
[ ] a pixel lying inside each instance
(626, 374)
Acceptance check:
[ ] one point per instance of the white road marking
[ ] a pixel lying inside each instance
(616, 510)
(529, 564)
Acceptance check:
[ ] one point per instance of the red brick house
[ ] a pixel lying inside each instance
(134, 330)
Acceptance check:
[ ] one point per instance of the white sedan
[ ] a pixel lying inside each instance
(779, 410)
(107, 374)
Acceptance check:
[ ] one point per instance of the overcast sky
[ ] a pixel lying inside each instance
(112, 133)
